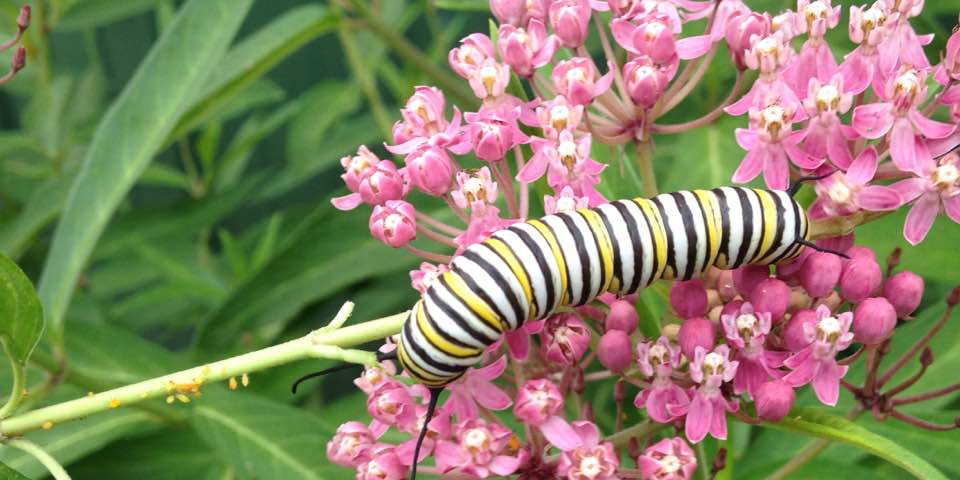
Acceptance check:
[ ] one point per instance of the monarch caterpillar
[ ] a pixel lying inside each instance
(530, 269)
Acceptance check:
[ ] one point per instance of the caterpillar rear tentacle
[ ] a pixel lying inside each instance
(530, 269)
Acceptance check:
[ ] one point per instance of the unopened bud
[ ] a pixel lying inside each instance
(861, 276)
(954, 298)
(720, 461)
(19, 60)
(689, 299)
(23, 19)
(622, 316)
(696, 332)
(904, 291)
(771, 296)
(746, 278)
(874, 320)
(926, 358)
(820, 273)
(774, 400)
(615, 350)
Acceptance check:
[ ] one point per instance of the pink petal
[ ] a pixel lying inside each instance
(952, 206)
(747, 139)
(448, 454)
(910, 188)
(493, 398)
(776, 170)
(347, 202)
(741, 106)
(558, 432)
(603, 84)
(588, 433)
(693, 47)
(873, 120)
(838, 150)
(491, 371)
(623, 34)
(942, 146)
(699, 418)
(864, 167)
(718, 426)
(879, 198)
(533, 170)
(827, 383)
(801, 159)
(856, 72)
(930, 128)
(519, 343)
(903, 145)
(750, 167)
(503, 465)
(921, 218)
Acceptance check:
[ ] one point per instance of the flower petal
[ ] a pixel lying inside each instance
(864, 167)
(693, 47)
(921, 218)
(827, 382)
(751, 166)
(776, 170)
(699, 418)
(910, 188)
(903, 145)
(801, 159)
(879, 198)
(558, 432)
(930, 128)
(503, 465)
(347, 202)
(952, 206)
(518, 342)
(873, 120)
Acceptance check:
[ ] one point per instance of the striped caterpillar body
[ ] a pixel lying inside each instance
(530, 269)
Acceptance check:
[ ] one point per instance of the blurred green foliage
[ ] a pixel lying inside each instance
(165, 174)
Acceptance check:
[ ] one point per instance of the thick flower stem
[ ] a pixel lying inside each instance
(645, 165)
(837, 226)
(327, 343)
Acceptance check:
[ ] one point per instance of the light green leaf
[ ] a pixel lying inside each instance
(166, 454)
(323, 107)
(820, 424)
(7, 473)
(85, 14)
(40, 210)
(162, 175)
(136, 124)
(464, 5)
(254, 56)
(265, 439)
(21, 316)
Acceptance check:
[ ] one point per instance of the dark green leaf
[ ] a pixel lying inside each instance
(21, 317)
(177, 66)
(467, 5)
(166, 454)
(7, 473)
(85, 14)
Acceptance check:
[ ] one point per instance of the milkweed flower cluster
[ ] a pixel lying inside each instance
(735, 344)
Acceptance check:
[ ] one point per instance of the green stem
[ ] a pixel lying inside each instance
(19, 382)
(325, 343)
(396, 41)
(56, 470)
(645, 164)
(364, 76)
(702, 462)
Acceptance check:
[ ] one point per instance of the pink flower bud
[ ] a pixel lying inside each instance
(861, 277)
(731, 307)
(689, 298)
(725, 285)
(518, 12)
(384, 182)
(394, 223)
(430, 170)
(615, 350)
(537, 401)
(392, 404)
(873, 320)
(740, 30)
(654, 38)
(622, 316)
(423, 278)
(772, 296)
(579, 81)
(696, 332)
(904, 291)
(357, 167)
(668, 459)
(565, 339)
(774, 400)
(526, 49)
(645, 82)
(23, 18)
(571, 21)
(747, 278)
(473, 51)
(794, 336)
(861, 252)
(493, 135)
(820, 273)
(350, 446)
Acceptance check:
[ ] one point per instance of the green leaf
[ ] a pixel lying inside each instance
(324, 106)
(166, 454)
(264, 439)
(21, 316)
(128, 137)
(941, 448)
(85, 14)
(463, 5)
(254, 56)
(7, 473)
(816, 423)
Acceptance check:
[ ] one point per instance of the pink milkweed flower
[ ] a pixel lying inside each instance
(568, 163)
(645, 81)
(747, 331)
(592, 459)
(558, 115)
(949, 68)
(476, 191)
(656, 37)
(844, 194)
(571, 21)
(424, 112)
(519, 12)
(494, 133)
(379, 184)
(658, 360)
(538, 404)
(668, 459)
(785, 23)
(518, 340)
(817, 361)
(740, 28)
(816, 58)
(489, 81)
(936, 187)
(430, 170)
(770, 143)
(440, 427)
(868, 63)
(565, 338)
(474, 50)
(769, 55)
(384, 464)
(565, 201)
(394, 223)
(898, 118)
(579, 81)
(392, 404)
(479, 448)
(903, 41)
(350, 445)
(826, 135)
(526, 49)
(423, 277)
(707, 411)
(373, 377)
(476, 387)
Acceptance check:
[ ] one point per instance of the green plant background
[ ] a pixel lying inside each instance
(227, 242)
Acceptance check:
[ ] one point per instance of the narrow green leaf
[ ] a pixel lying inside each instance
(161, 175)
(21, 316)
(166, 454)
(463, 5)
(91, 13)
(41, 209)
(817, 423)
(7, 473)
(267, 243)
(235, 256)
(265, 439)
(176, 67)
